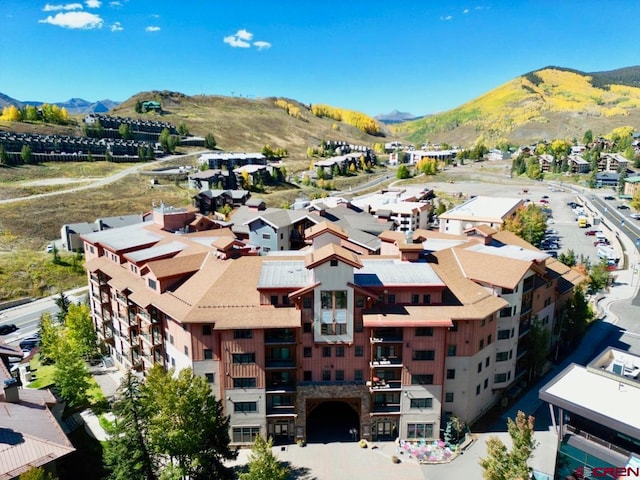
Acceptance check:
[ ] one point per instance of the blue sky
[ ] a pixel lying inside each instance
(371, 56)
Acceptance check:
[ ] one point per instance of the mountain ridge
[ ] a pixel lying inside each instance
(74, 106)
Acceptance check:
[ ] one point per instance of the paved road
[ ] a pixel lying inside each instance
(103, 181)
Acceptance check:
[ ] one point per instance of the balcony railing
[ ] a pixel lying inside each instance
(280, 387)
(278, 363)
(281, 410)
(386, 408)
(598, 440)
(396, 338)
(385, 385)
(280, 338)
(311, 383)
(386, 362)
(144, 315)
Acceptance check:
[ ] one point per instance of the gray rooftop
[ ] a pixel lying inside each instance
(156, 251)
(124, 238)
(510, 251)
(482, 207)
(292, 273)
(395, 272)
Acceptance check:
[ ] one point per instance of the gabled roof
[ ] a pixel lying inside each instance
(329, 252)
(324, 227)
(176, 266)
(490, 269)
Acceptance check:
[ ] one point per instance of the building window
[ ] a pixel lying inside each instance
(242, 333)
(481, 344)
(359, 301)
(424, 354)
(307, 352)
(500, 378)
(247, 382)
(243, 358)
(333, 262)
(454, 328)
(266, 236)
(503, 334)
(306, 376)
(505, 312)
(206, 329)
(489, 340)
(487, 361)
(306, 327)
(486, 383)
(171, 339)
(333, 315)
(483, 322)
(340, 375)
(173, 362)
(307, 302)
(448, 397)
(285, 300)
(245, 407)
(357, 375)
(479, 367)
(208, 354)
(339, 351)
(359, 351)
(211, 377)
(478, 389)
(424, 332)
(421, 403)
(415, 299)
(426, 299)
(326, 351)
(245, 434)
(423, 379)
(451, 373)
(274, 299)
(419, 430)
(502, 356)
(391, 299)
(451, 351)
(152, 284)
(326, 375)
(186, 350)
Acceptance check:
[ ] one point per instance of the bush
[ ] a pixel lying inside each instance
(363, 443)
(301, 443)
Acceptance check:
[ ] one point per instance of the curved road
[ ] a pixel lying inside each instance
(103, 181)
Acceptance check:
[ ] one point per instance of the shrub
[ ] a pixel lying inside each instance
(363, 443)
(301, 443)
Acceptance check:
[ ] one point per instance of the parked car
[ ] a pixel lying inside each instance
(609, 197)
(545, 196)
(590, 233)
(49, 248)
(7, 329)
(622, 207)
(635, 216)
(30, 342)
(544, 200)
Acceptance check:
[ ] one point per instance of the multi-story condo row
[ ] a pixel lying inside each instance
(594, 410)
(294, 342)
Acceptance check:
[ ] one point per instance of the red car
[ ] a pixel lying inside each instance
(544, 200)
(590, 233)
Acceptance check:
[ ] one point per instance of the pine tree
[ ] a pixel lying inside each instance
(128, 454)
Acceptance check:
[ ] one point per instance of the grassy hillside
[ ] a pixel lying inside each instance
(548, 103)
(243, 124)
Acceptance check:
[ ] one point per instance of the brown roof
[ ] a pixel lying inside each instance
(265, 316)
(223, 243)
(491, 269)
(482, 229)
(510, 238)
(176, 266)
(323, 227)
(330, 251)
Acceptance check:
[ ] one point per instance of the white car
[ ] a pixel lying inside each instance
(49, 248)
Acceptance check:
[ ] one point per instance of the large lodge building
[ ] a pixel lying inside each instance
(295, 342)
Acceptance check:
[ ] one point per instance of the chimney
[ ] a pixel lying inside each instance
(11, 390)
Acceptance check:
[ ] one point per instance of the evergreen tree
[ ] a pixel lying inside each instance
(25, 154)
(183, 129)
(128, 454)
(263, 464)
(138, 106)
(4, 156)
(62, 302)
(37, 473)
(210, 141)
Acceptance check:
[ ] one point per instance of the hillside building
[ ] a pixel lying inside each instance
(298, 342)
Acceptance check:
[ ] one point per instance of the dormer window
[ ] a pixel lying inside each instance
(334, 262)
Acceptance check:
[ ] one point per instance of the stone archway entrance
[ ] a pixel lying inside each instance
(333, 420)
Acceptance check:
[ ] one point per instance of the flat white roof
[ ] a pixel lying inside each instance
(598, 395)
(483, 208)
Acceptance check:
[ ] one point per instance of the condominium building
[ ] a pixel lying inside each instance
(480, 210)
(325, 339)
(594, 410)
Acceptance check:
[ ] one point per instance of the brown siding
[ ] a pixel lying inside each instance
(230, 345)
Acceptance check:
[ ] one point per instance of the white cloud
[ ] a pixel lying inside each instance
(235, 42)
(93, 3)
(74, 20)
(244, 35)
(116, 27)
(447, 18)
(115, 4)
(152, 28)
(465, 11)
(69, 6)
(261, 45)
